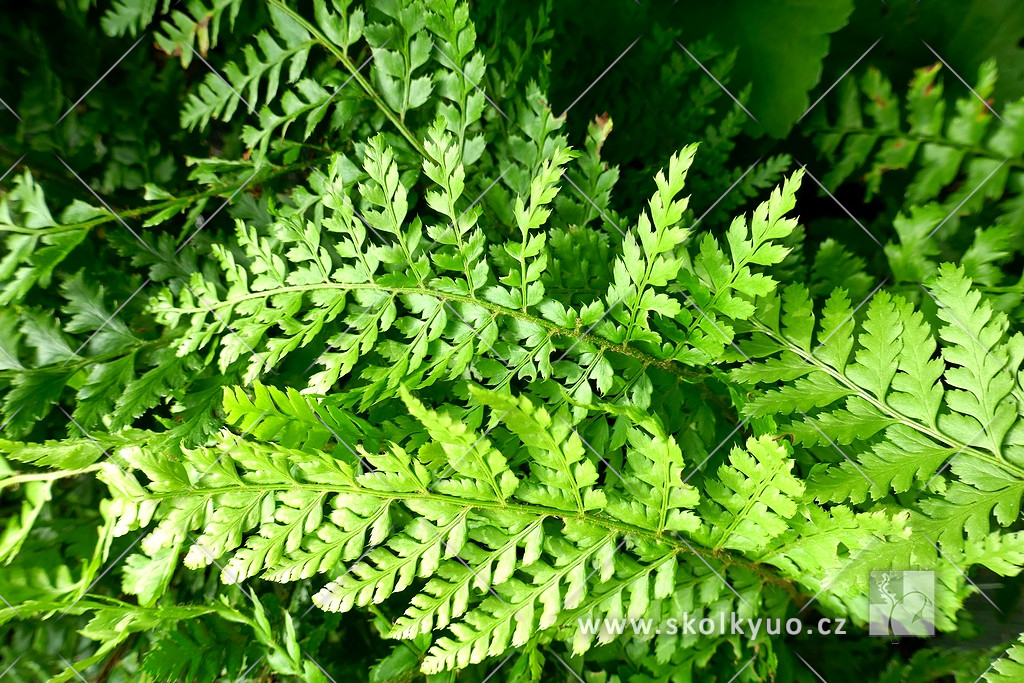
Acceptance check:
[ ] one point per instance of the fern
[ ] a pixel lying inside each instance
(290, 514)
(962, 158)
(1007, 668)
(220, 96)
(910, 431)
(187, 33)
(38, 243)
(400, 342)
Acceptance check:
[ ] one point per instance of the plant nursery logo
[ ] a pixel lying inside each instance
(902, 603)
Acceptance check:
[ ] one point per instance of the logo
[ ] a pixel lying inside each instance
(902, 603)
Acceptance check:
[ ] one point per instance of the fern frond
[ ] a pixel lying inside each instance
(37, 242)
(193, 29)
(913, 411)
(722, 284)
(131, 16)
(217, 98)
(501, 551)
(1009, 667)
(753, 496)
